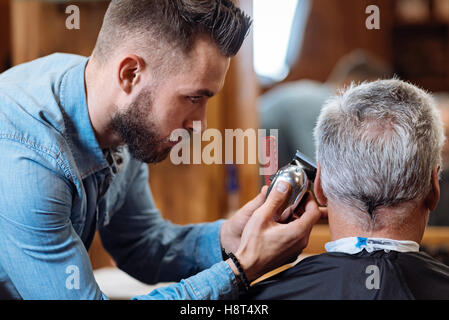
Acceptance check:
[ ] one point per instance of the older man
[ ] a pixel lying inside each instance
(379, 155)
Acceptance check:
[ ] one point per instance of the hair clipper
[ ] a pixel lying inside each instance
(300, 174)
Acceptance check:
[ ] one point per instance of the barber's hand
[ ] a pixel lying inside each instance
(266, 244)
(231, 230)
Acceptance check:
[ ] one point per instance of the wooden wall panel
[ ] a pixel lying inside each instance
(5, 42)
(335, 28)
(39, 28)
(242, 94)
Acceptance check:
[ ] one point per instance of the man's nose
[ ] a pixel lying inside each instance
(198, 122)
(197, 126)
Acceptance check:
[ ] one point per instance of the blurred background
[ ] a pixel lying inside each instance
(298, 53)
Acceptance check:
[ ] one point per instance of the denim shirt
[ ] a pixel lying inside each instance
(57, 187)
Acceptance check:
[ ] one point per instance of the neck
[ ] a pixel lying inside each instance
(406, 222)
(99, 105)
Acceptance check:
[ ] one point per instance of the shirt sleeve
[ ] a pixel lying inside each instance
(40, 252)
(217, 282)
(153, 250)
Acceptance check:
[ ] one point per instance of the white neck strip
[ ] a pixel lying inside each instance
(354, 245)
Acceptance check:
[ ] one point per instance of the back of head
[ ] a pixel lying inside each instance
(377, 144)
(170, 25)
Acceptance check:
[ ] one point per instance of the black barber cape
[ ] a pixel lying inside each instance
(367, 276)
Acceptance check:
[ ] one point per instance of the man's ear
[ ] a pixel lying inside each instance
(432, 198)
(129, 72)
(318, 189)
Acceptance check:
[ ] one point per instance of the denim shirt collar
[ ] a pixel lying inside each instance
(85, 148)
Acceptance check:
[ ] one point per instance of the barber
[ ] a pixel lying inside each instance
(75, 136)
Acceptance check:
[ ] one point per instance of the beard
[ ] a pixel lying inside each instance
(139, 132)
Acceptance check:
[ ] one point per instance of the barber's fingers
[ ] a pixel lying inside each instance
(260, 199)
(308, 219)
(277, 198)
(264, 191)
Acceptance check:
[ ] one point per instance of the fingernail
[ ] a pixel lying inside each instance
(282, 186)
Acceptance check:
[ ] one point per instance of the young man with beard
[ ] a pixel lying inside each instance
(75, 133)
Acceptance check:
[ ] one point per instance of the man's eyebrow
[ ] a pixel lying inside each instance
(203, 92)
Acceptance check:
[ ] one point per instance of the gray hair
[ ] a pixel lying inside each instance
(377, 144)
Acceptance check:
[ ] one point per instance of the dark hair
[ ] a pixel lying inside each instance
(177, 22)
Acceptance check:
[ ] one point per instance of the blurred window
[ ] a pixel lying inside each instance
(278, 32)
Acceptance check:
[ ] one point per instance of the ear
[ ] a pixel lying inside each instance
(432, 198)
(129, 72)
(317, 188)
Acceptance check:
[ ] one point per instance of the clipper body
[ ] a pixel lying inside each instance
(300, 174)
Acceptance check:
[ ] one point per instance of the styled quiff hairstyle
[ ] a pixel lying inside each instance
(176, 23)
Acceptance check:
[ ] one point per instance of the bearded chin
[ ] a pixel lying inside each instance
(136, 130)
(146, 151)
